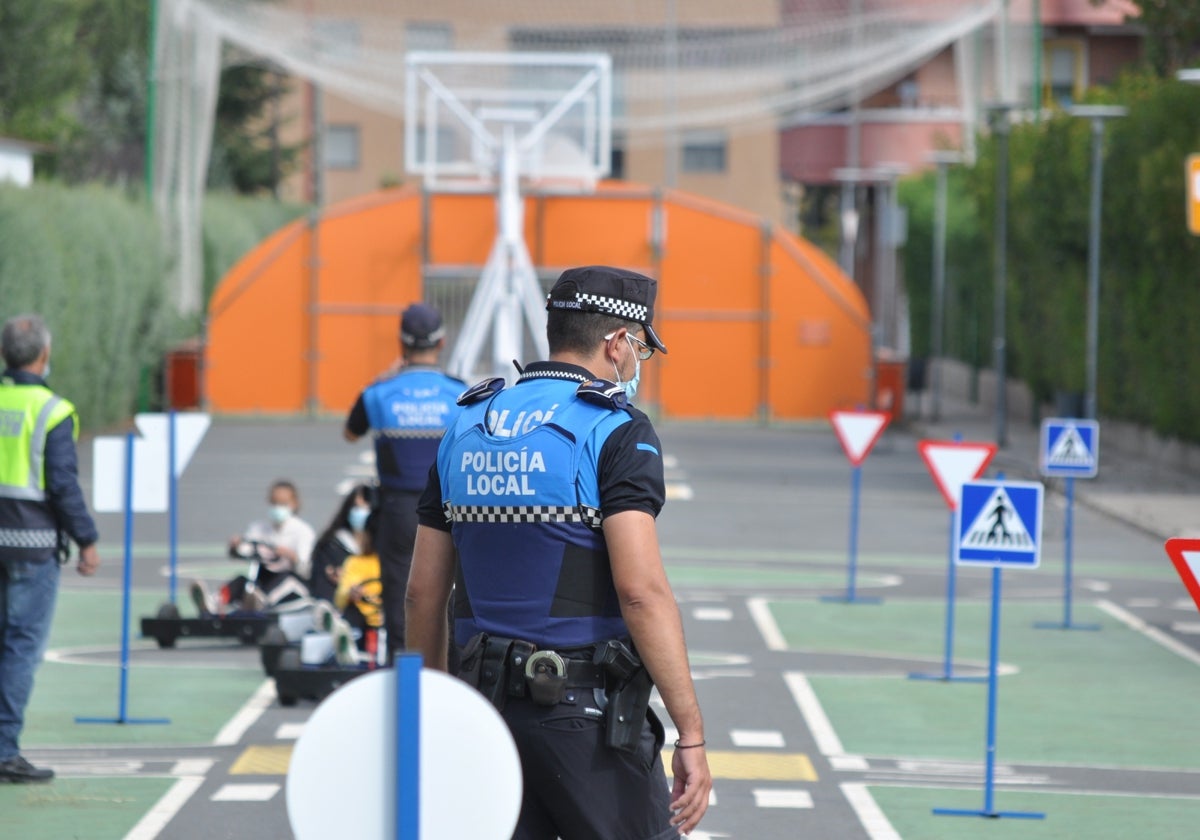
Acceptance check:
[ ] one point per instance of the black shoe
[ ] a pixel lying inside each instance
(19, 771)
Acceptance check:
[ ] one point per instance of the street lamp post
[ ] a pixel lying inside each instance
(943, 159)
(1097, 114)
(999, 118)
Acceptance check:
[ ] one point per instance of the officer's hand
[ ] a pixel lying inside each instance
(89, 561)
(693, 783)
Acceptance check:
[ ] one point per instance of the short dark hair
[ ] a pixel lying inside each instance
(284, 484)
(580, 332)
(24, 338)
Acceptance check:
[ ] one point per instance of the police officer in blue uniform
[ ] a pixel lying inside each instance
(542, 506)
(407, 413)
(41, 510)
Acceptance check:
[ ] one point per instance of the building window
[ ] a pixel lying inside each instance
(429, 36)
(1065, 82)
(704, 151)
(341, 146)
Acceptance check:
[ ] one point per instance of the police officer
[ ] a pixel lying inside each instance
(407, 412)
(544, 499)
(41, 505)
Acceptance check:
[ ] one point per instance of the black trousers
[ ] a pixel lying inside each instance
(394, 544)
(576, 787)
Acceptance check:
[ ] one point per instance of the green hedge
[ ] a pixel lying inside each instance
(1150, 265)
(91, 261)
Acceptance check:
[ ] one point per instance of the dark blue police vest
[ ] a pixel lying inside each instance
(520, 487)
(408, 414)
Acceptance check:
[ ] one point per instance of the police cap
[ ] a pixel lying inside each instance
(421, 326)
(613, 291)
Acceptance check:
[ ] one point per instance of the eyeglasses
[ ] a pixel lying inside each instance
(644, 351)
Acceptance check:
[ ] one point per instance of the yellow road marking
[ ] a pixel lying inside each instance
(263, 761)
(743, 765)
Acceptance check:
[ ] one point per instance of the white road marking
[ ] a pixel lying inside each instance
(877, 826)
(233, 731)
(245, 793)
(1184, 604)
(678, 491)
(165, 809)
(1152, 633)
(764, 620)
(1096, 585)
(849, 762)
(1186, 628)
(757, 738)
(1143, 603)
(712, 614)
(775, 798)
(670, 462)
(192, 767)
(814, 715)
(289, 731)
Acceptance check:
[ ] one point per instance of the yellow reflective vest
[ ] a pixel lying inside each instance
(27, 414)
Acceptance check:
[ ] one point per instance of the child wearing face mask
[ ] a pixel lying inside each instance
(282, 546)
(340, 539)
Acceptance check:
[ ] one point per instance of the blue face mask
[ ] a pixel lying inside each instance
(357, 517)
(630, 387)
(279, 513)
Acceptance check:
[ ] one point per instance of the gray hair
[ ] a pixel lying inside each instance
(23, 339)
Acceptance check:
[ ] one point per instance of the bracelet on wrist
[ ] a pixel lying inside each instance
(680, 746)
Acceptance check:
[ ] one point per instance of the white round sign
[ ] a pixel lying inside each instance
(341, 781)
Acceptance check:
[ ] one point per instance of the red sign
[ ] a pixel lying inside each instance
(953, 463)
(1185, 554)
(858, 431)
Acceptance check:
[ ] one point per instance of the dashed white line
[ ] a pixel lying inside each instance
(712, 614)
(877, 826)
(764, 620)
(1143, 603)
(1186, 628)
(757, 738)
(165, 809)
(1184, 604)
(289, 731)
(192, 767)
(775, 798)
(1152, 633)
(245, 793)
(849, 762)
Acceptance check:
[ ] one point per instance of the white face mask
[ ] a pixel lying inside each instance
(46, 371)
(630, 387)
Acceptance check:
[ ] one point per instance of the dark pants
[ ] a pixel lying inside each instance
(28, 592)
(576, 787)
(394, 544)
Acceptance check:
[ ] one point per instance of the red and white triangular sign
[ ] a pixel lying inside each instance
(953, 463)
(1185, 554)
(858, 431)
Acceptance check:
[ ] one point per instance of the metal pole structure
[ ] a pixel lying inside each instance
(1097, 114)
(314, 260)
(151, 101)
(943, 160)
(671, 162)
(999, 317)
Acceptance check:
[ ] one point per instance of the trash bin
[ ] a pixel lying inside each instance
(891, 379)
(183, 375)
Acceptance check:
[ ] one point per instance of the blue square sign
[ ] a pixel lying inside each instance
(999, 523)
(1070, 447)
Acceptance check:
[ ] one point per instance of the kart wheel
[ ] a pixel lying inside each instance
(270, 645)
(165, 636)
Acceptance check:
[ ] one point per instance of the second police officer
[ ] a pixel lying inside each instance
(544, 502)
(406, 411)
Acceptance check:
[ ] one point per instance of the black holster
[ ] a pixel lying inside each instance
(628, 696)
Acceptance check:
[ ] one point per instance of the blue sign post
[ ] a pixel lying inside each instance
(1070, 449)
(997, 524)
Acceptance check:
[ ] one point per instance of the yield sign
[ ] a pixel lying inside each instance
(857, 431)
(953, 463)
(1185, 554)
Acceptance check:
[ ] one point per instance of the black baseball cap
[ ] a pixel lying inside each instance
(613, 291)
(421, 326)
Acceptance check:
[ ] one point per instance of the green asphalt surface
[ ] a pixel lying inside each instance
(1111, 699)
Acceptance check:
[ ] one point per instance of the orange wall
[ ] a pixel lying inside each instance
(758, 322)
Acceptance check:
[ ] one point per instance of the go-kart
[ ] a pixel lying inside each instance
(322, 659)
(244, 623)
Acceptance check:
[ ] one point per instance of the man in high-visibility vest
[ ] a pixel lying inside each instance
(41, 507)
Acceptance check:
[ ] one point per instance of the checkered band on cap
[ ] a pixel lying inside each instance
(614, 306)
(524, 514)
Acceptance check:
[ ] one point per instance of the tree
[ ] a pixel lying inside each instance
(247, 154)
(41, 69)
(1172, 33)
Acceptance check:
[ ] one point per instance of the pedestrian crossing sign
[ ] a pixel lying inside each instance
(1070, 447)
(999, 523)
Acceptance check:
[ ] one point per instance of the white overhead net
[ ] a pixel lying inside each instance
(676, 63)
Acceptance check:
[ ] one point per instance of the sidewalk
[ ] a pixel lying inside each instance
(1131, 486)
